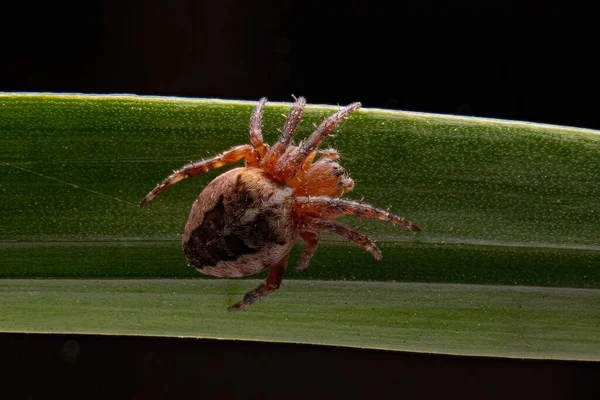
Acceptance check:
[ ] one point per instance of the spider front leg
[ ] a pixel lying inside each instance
(256, 137)
(330, 207)
(271, 284)
(229, 157)
(287, 135)
(292, 160)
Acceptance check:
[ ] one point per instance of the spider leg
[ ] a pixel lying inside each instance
(311, 240)
(325, 129)
(287, 134)
(359, 239)
(256, 137)
(291, 124)
(271, 284)
(331, 207)
(291, 162)
(229, 157)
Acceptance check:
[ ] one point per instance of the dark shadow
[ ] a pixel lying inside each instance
(108, 367)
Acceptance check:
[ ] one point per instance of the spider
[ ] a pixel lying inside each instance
(247, 219)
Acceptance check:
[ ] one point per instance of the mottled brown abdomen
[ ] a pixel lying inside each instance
(240, 224)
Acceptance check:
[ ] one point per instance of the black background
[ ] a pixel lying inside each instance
(514, 60)
(113, 367)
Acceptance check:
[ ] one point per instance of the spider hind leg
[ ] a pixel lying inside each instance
(312, 242)
(332, 207)
(359, 239)
(272, 283)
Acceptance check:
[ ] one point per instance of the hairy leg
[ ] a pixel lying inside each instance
(287, 134)
(271, 284)
(229, 157)
(256, 137)
(331, 207)
(359, 239)
(311, 240)
(293, 159)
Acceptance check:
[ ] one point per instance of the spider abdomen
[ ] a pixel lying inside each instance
(241, 224)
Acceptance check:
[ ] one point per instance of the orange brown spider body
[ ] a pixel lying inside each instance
(248, 219)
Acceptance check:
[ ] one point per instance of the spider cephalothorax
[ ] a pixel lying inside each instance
(248, 219)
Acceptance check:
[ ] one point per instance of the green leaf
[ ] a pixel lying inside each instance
(500, 203)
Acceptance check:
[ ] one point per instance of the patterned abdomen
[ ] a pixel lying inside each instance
(240, 224)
